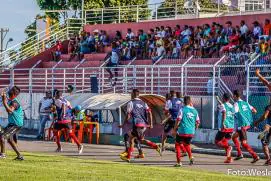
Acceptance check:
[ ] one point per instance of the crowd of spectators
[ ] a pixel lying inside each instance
(239, 42)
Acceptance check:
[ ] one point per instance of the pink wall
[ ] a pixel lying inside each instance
(44, 56)
(112, 28)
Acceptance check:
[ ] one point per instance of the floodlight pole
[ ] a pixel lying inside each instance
(82, 14)
(218, 7)
(3, 32)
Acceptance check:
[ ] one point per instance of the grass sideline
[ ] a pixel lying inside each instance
(43, 167)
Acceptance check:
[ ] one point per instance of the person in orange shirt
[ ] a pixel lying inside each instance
(267, 27)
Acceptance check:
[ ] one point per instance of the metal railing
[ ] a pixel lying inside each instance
(192, 77)
(39, 42)
(134, 13)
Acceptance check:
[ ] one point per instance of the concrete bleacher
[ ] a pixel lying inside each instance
(196, 76)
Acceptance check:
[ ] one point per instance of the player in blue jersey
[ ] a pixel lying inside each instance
(172, 108)
(141, 116)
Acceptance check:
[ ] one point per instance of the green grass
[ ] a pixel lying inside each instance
(46, 167)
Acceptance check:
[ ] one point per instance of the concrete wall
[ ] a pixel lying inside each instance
(112, 28)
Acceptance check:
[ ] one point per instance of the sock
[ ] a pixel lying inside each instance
(151, 144)
(237, 145)
(249, 149)
(56, 133)
(222, 143)
(72, 136)
(183, 148)
(188, 149)
(138, 146)
(130, 152)
(126, 141)
(178, 152)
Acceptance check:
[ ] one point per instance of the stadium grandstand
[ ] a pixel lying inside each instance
(192, 56)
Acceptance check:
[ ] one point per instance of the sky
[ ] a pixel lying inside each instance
(17, 14)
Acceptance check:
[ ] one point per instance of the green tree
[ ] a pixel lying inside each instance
(167, 9)
(110, 13)
(12, 55)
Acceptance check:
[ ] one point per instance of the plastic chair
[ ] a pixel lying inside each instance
(86, 127)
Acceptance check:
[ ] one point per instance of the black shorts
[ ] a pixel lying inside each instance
(183, 139)
(169, 125)
(220, 135)
(138, 132)
(9, 131)
(60, 126)
(267, 138)
(110, 64)
(242, 134)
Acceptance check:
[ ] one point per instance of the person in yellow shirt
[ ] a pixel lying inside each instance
(79, 114)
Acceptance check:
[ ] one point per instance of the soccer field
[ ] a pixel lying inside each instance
(47, 167)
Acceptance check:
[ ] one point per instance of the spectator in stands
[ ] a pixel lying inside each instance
(160, 52)
(210, 47)
(198, 33)
(185, 35)
(44, 112)
(206, 30)
(177, 31)
(163, 32)
(103, 41)
(84, 48)
(136, 52)
(159, 40)
(233, 41)
(244, 32)
(91, 41)
(168, 45)
(196, 48)
(213, 27)
(186, 47)
(151, 33)
(57, 53)
(229, 28)
(267, 28)
(113, 62)
(158, 31)
(130, 35)
(143, 38)
(126, 51)
(243, 28)
(175, 51)
(168, 32)
(257, 30)
(71, 45)
(118, 36)
(150, 45)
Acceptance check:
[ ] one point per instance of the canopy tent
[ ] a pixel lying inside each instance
(116, 104)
